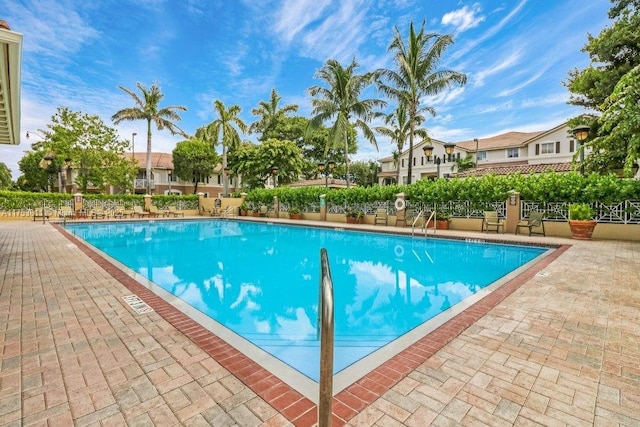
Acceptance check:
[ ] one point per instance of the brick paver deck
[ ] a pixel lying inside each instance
(562, 349)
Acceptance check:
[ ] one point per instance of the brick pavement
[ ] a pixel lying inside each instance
(563, 349)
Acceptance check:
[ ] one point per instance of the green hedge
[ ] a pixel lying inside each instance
(547, 187)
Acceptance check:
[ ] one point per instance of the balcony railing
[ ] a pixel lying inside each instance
(142, 183)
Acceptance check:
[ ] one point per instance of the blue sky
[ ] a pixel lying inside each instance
(516, 54)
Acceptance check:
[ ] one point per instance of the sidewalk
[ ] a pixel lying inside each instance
(563, 349)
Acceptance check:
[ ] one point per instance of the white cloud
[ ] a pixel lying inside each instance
(504, 64)
(295, 15)
(464, 19)
(522, 85)
(443, 98)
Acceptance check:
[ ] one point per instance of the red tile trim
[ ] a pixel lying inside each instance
(291, 404)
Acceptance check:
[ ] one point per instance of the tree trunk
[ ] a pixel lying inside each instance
(225, 177)
(148, 157)
(346, 156)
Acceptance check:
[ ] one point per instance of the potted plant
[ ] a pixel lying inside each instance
(295, 213)
(442, 221)
(244, 209)
(581, 222)
(354, 216)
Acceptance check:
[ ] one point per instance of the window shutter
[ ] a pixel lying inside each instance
(422, 161)
(557, 147)
(572, 146)
(414, 161)
(537, 149)
(402, 162)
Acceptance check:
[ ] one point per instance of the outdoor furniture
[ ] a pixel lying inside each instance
(264, 211)
(175, 212)
(154, 211)
(137, 211)
(382, 217)
(66, 212)
(40, 213)
(535, 223)
(491, 220)
(98, 213)
(409, 217)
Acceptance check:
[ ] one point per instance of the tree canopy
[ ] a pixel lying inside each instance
(148, 108)
(93, 149)
(194, 160)
(607, 84)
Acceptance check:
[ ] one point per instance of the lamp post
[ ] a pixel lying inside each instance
(330, 164)
(448, 148)
(476, 141)
(581, 133)
(45, 164)
(274, 173)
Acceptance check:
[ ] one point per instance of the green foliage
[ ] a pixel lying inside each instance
(194, 158)
(94, 150)
(255, 162)
(271, 115)
(147, 108)
(548, 187)
(580, 212)
(5, 177)
(12, 200)
(339, 101)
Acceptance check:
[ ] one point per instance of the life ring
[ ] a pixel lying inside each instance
(398, 250)
(400, 204)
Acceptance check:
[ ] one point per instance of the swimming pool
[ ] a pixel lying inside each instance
(260, 280)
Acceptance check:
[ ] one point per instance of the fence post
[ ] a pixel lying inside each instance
(513, 211)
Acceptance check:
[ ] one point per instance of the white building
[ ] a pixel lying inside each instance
(511, 152)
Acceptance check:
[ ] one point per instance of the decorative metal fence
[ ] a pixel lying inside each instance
(627, 212)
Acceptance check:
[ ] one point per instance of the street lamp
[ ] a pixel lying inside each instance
(581, 133)
(448, 148)
(330, 164)
(274, 173)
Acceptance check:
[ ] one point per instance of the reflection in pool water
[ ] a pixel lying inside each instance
(261, 280)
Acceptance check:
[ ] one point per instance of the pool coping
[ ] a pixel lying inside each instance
(354, 398)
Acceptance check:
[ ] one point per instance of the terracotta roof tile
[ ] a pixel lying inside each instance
(523, 169)
(509, 139)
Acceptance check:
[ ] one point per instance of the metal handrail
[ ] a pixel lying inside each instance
(325, 319)
(426, 222)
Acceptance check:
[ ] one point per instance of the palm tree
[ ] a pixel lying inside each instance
(270, 114)
(146, 108)
(398, 129)
(221, 130)
(416, 75)
(340, 101)
(464, 164)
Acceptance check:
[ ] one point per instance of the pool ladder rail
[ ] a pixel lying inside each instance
(423, 213)
(325, 327)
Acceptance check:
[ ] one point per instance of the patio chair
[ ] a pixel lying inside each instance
(137, 211)
(491, 220)
(40, 213)
(264, 211)
(409, 217)
(155, 212)
(175, 212)
(66, 212)
(97, 213)
(535, 221)
(382, 216)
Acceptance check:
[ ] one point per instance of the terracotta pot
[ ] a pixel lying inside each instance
(243, 212)
(441, 224)
(582, 230)
(295, 216)
(256, 213)
(354, 220)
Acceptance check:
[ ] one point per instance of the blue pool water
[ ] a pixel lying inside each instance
(261, 280)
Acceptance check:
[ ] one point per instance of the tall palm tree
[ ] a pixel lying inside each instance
(146, 108)
(416, 74)
(270, 113)
(340, 101)
(222, 131)
(398, 129)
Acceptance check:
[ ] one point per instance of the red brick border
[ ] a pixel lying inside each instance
(290, 403)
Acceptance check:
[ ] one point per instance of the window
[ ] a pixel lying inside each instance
(547, 148)
(402, 162)
(512, 153)
(414, 161)
(572, 146)
(481, 155)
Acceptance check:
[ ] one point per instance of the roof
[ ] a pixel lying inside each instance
(10, 65)
(524, 169)
(158, 160)
(509, 139)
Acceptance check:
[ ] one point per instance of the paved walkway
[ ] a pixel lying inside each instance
(562, 349)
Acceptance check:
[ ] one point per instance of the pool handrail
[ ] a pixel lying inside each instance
(325, 319)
